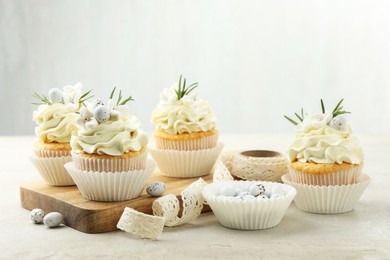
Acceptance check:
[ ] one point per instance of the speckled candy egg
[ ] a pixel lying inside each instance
(85, 114)
(155, 189)
(339, 123)
(36, 215)
(53, 219)
(56, 95)
(227, 191)
(256, 189)
(96, 103)
(102, 114)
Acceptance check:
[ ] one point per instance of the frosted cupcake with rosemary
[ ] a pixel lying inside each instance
(56, 121)
(109, 152)
(186, 138)
(325, 152)
(182, 120)
(109, 138)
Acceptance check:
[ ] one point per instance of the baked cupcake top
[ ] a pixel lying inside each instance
(56, 114)
(325, 138)
(181, 111)
(108, 128)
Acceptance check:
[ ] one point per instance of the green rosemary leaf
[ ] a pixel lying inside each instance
(112, 93)
(300, 118)
(337, 106)
(126, 100)
(303, 117)
(85, 94)
(119, 97)
(182, 89)
(322, 107)
(292, 121)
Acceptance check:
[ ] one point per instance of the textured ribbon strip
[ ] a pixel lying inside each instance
(165, 210)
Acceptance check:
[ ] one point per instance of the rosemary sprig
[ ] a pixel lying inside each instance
(322, 106)
(85, 96)
(338, 110)
(183, 90)
(119, 101)
(300, 118)
(43, 99)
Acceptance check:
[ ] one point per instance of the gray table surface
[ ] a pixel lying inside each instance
(363, 233)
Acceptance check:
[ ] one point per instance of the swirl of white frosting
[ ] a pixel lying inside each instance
(187, 115)
(112, 137)
(326, 145)
(56, 122)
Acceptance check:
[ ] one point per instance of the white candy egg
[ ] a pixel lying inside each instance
(96, 103)
(155, 189)
(102, 114)
(53, 219)
(56, 95)
(227, 191)
(249, 198)
(277, 190)
(85, 114)
(339, 123)
(36, 215)
(275, 196)
(256, 189)
(262, 197)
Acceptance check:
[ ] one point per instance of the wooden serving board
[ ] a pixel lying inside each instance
(91, 216)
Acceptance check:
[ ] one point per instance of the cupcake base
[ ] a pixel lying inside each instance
(341, 177)
(111, 186)
(186, 164)
(328, 199)
(52, 170)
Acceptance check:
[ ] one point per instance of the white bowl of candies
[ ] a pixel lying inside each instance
(249, 205)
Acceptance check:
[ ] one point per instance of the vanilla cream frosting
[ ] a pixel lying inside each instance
(55, 122)
(187, 115)
(317, 142)
(120, 134)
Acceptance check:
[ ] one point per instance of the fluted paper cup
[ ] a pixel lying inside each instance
(111, 186)
(251, 214)
(345, 177)
(328, 199)
(51, 153)
(52, 170)
(186, 164)
(193, 144)
(112, 164)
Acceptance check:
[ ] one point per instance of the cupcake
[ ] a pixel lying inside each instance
(324, 151)
(326, 163)
(109, 152)
(186, 138)
(56, 121)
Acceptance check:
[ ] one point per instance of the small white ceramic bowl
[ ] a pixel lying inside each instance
(248, 214)
(328, 199)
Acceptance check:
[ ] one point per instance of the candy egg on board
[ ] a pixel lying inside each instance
(102, 114)
(227, 191)
(36, 215)
(53, 219)
(56, 95)
(155, 189)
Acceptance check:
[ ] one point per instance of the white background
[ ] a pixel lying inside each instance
(255, 60)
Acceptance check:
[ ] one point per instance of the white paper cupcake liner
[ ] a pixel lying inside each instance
(248, 215)
(196, 144)
(336, 178)
(52, 170)
(111, 186)
(110, 165)
(328, 199)
(51, 153)
(186, 164)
